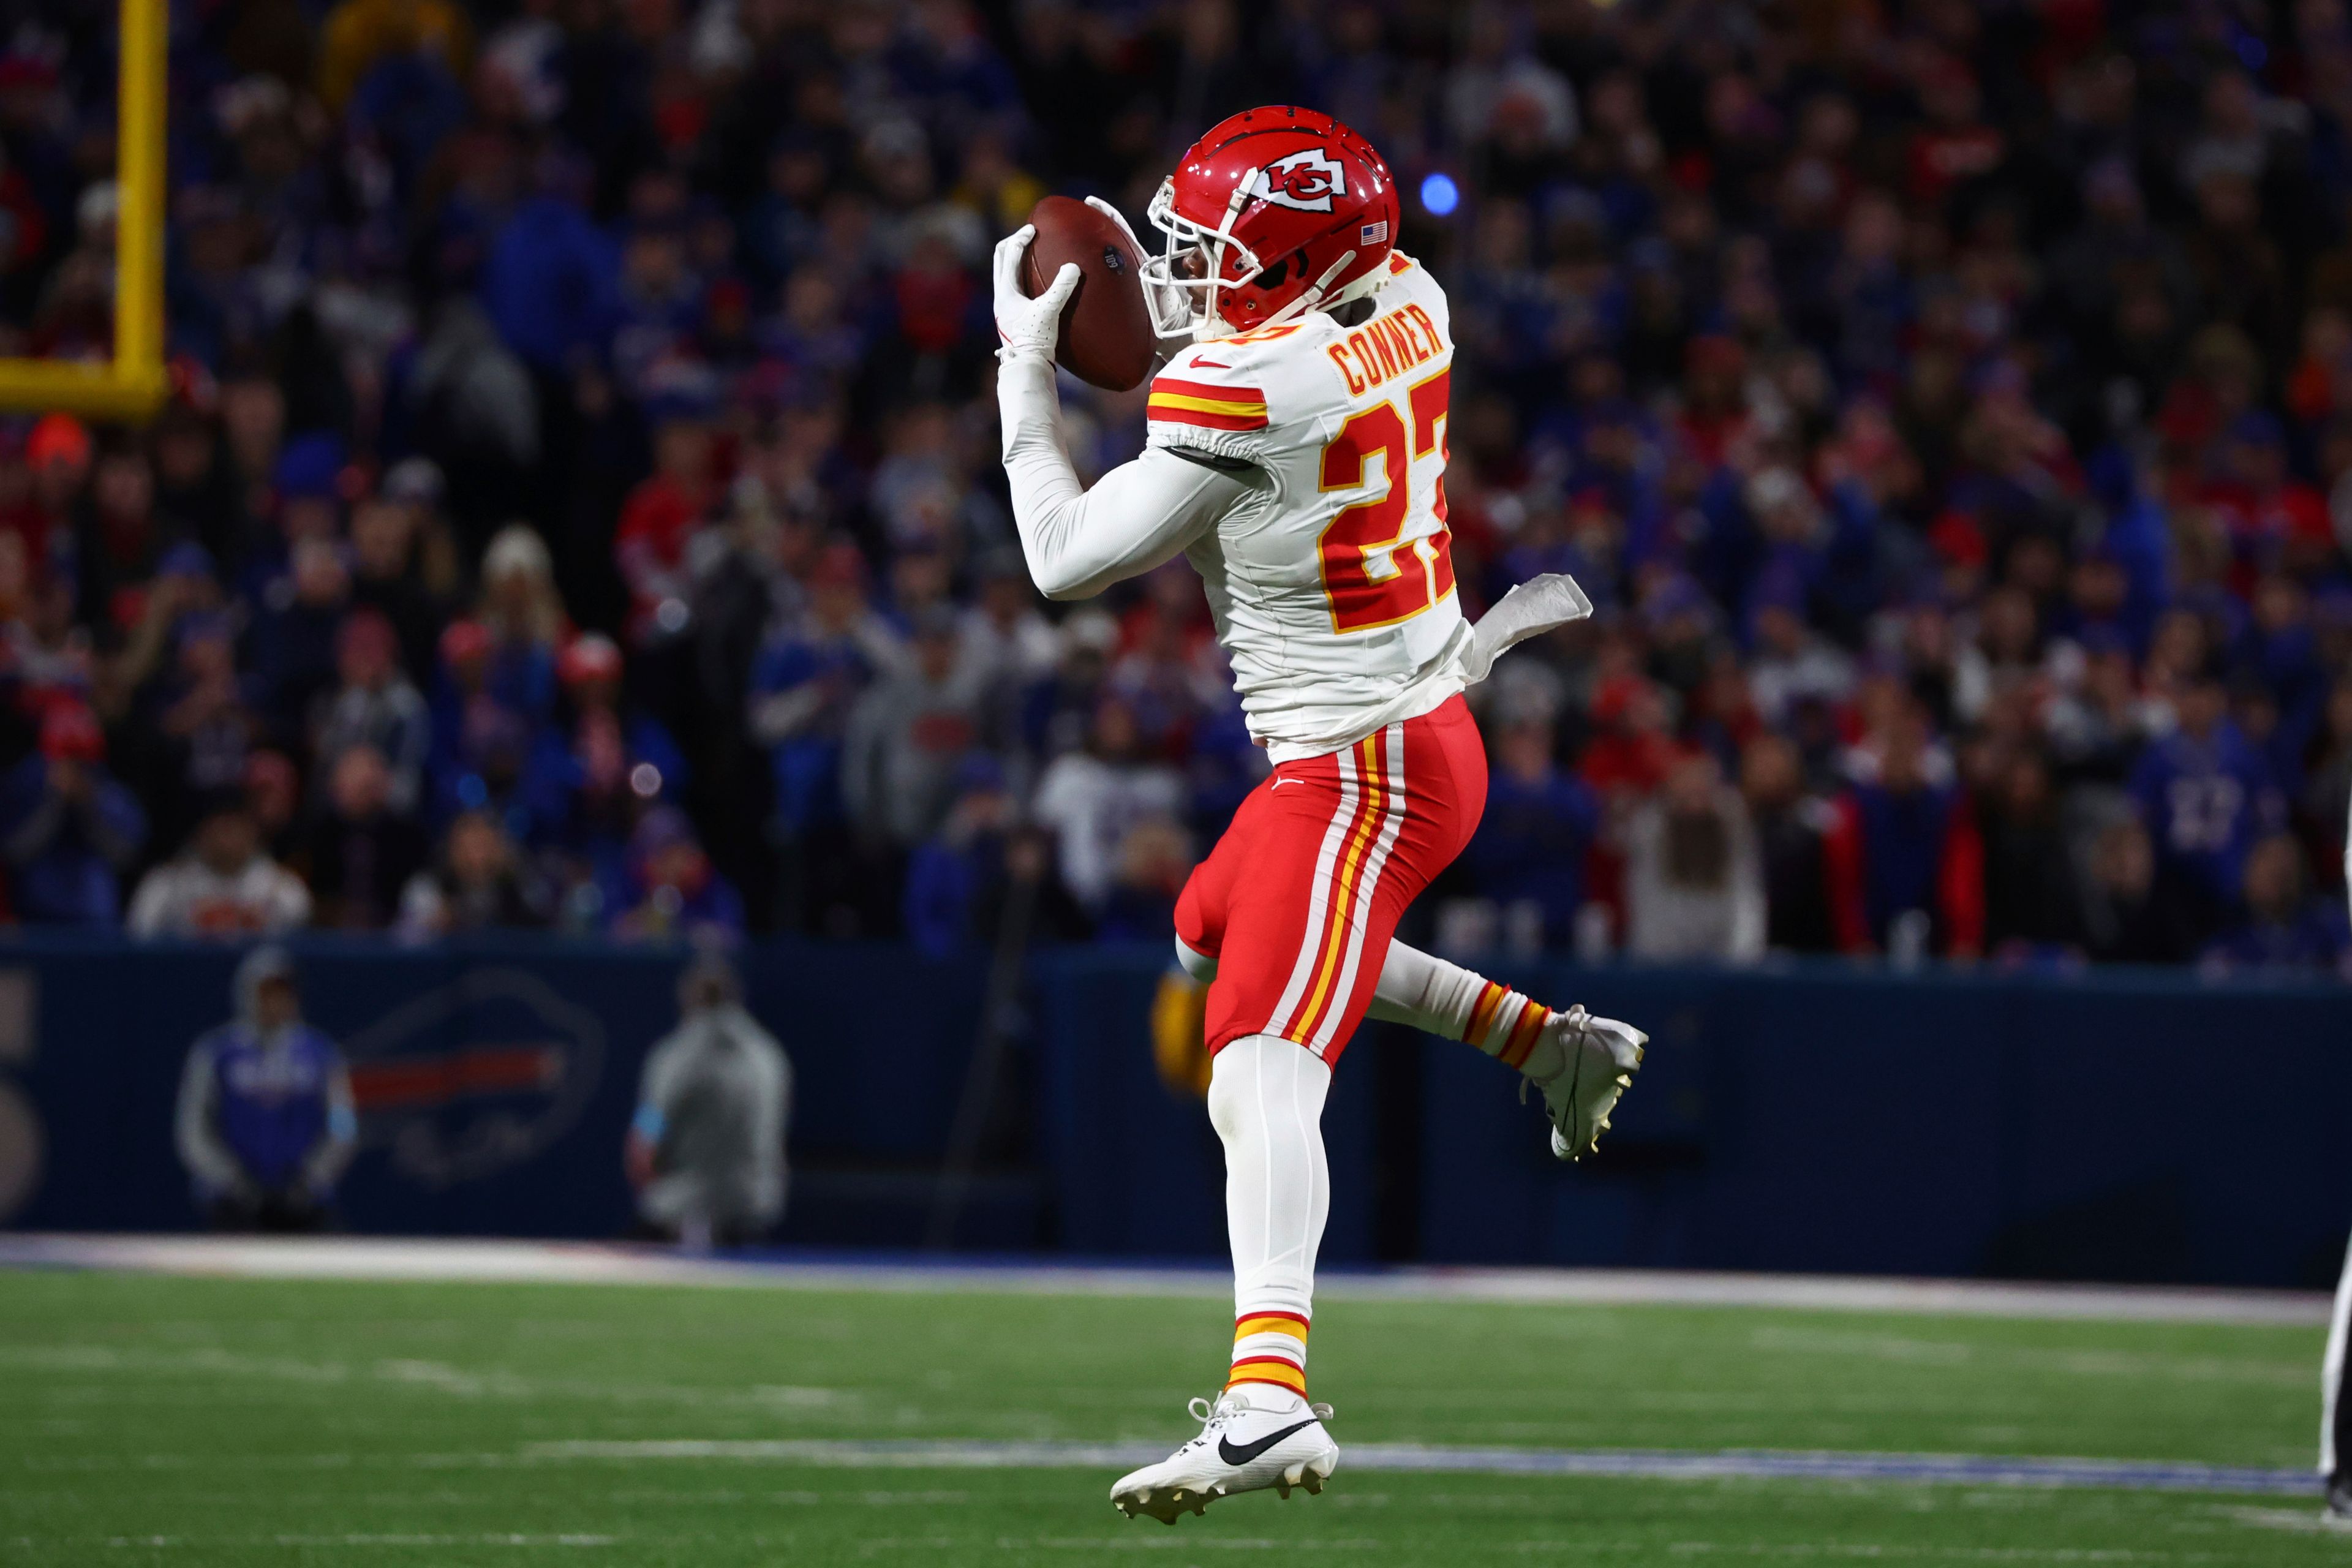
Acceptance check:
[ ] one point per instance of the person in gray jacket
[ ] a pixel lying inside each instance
(706, 1151)
(907, 734)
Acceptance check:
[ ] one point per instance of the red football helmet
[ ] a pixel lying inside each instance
(1275, 212)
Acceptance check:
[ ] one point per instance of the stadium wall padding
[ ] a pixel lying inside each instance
(496, 1079)
(2112, 1125)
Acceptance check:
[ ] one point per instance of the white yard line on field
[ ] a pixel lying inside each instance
(1422, 1458)
(584, 1262)
(209, 1542)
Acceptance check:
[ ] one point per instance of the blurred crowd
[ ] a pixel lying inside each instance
(578, 507)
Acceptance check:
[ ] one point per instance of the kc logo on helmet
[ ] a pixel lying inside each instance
(1305, 181)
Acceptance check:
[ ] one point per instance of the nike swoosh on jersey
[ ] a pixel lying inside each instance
(1248, 1451)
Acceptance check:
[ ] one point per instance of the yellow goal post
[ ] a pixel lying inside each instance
(132, 386)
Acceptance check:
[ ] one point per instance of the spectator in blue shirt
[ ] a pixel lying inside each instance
(68, 830)
(2280, 927)
(553, 278)
(487, 754)
(671, 894)
(1532, 844)
(266, 1121)
(611, 760)
(2206, 794)
(951, 871)
(291, 649)
(304, 504)
(1904, 845)
(808, 676)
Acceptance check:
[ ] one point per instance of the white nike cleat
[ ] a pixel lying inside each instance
(1584, 1065)
(1252, 1437)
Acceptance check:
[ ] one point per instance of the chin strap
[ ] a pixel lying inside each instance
(1314, 295)
(1209, 329)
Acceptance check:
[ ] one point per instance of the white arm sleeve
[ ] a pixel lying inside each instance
(1079, 542)
(209, 1160)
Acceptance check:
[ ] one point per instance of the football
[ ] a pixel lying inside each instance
(1106, 338)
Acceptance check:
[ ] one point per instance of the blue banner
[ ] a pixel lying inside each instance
(2114, 1125)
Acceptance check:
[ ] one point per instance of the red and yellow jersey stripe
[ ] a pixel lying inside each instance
(1207, 404)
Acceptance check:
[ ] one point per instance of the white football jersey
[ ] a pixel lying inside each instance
(1333, 586)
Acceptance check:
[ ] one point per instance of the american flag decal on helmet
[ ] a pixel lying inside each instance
(1374, 233)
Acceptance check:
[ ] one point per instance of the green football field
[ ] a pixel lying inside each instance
(192, 1421)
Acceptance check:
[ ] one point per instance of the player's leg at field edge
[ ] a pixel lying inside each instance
(1265, 1100)
(2335, 1412)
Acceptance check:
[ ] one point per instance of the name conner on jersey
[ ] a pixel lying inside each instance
(1301, 469)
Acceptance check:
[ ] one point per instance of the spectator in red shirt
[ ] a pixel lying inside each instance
(1636, 748)
(117, 548)
(57, 454)
(661, 515)
(1955, 147)
(2273, 517)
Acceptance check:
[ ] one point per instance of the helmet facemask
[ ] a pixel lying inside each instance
(1182, 283)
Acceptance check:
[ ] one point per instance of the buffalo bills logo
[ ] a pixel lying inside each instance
(1305, 181)
(476, 1076)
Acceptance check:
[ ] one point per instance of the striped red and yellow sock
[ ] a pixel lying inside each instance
(1504, 1024)
(1270, 1347)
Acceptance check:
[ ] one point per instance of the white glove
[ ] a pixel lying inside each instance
(1029, 326)
(1536, 606)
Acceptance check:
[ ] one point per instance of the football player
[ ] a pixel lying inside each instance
(2335, 1367)
(1296, 456)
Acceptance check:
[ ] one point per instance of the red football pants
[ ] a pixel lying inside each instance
(1298, 900)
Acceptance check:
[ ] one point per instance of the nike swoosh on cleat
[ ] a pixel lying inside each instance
(1248, 1451)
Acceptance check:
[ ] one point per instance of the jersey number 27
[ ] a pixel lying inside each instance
(1372, 574)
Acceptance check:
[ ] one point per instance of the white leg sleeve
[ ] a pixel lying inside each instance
(2331, 1369)
(1265, 1097)
(1427, 992)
